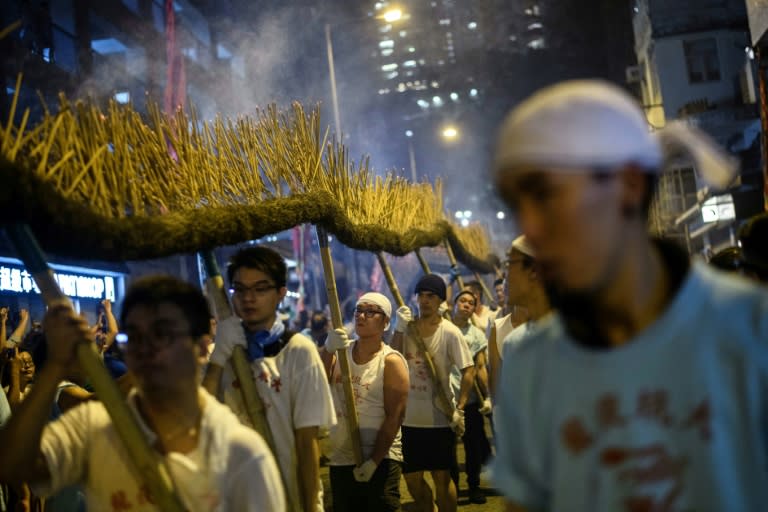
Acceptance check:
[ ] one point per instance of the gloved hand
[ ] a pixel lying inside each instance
(229, 332)
(443, 308)
(455, 273)
(337, 340)
(404, 317)
(457, 422)
(365, 471)
(486, 408)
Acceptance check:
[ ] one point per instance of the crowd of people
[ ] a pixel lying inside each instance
(615, 372)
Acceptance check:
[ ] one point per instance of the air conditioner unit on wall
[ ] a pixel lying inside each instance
(633, 74)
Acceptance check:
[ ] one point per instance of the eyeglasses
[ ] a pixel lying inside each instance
(258, 290)
(159, 339)
(367, 313)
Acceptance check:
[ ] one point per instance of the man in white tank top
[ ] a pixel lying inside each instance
(380, 382)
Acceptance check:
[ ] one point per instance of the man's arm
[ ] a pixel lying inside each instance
(396, 385)
(18, 334)
(467, 381)
(328, 358)
(23, 460)
(494, 358)
(481, 373)
(308, 461)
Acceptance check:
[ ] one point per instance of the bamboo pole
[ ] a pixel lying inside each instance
(254, 406)
(149, 467)
(452, 260)
(423, 262)
(353, 424)
(484, 286)
(442, 396)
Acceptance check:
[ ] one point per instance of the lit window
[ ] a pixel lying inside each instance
(472, 25)
(383, 91)
(454, 96)
(403, 33)
(445, 22)
(473, 93)
(385, 28)
(123, 97)
(386, 43)
(422, 62)
(437, 101)
(401, 87)
(701, 60)
(389, 67)
(411, 49)
(434, 84)
(537, 44)
(409, 64)
(423, 103)
(390, 76)
(534, 26)
(386, 52)
(378, 6)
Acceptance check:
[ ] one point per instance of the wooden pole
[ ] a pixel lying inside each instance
(346, 375)
(148, 466)
(486, 291)
(452, 260)
(423, 262)
(254, 406)
(390, 280)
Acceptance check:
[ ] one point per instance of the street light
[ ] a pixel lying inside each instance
(393, 15)
(450, 132)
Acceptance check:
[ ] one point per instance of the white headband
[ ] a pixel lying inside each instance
(588, 124)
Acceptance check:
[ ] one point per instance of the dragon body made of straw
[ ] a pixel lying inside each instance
(116, 185)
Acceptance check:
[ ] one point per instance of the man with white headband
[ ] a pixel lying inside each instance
(525, 291)
(380, 382)
(648, 390)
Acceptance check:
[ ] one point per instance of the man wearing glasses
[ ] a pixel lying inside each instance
(380, 381)
(286, 366)
(214, 461)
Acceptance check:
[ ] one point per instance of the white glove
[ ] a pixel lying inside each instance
(443, 308)
(337, 340)
(486, 408)
(404, 317)
(365, 471)
(229, 333)
(457, 422)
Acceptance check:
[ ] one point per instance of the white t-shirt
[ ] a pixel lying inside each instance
(368, 387)
(448, 349)
(675, 419)
(476, 343)
(231, 469)
(295, 392)
(482, 321)
(503, 328)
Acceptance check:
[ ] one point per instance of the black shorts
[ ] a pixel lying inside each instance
(428, 449)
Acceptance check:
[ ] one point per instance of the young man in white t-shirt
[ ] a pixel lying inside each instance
(434, 416)
(380, 383)
(215, 463)
(648, 389)
(287, 369)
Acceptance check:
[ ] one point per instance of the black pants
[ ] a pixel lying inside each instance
(380, 494)
(477, 449)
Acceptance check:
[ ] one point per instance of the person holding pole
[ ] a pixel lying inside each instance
(380, 380)
(286, 366)
(434, 415)
(648, 389)
(477, 449)
(215, 463)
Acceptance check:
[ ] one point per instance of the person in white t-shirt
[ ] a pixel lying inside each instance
(286, 366)
(483, 315)
(380, 383)
(215, 463)
(434, 415)
(648, 388)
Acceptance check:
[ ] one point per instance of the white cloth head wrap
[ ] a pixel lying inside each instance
(521, 244)
(592, 124)
(377, 299)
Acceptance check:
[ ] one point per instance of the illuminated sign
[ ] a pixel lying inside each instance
(718, 208)
(79, 285)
